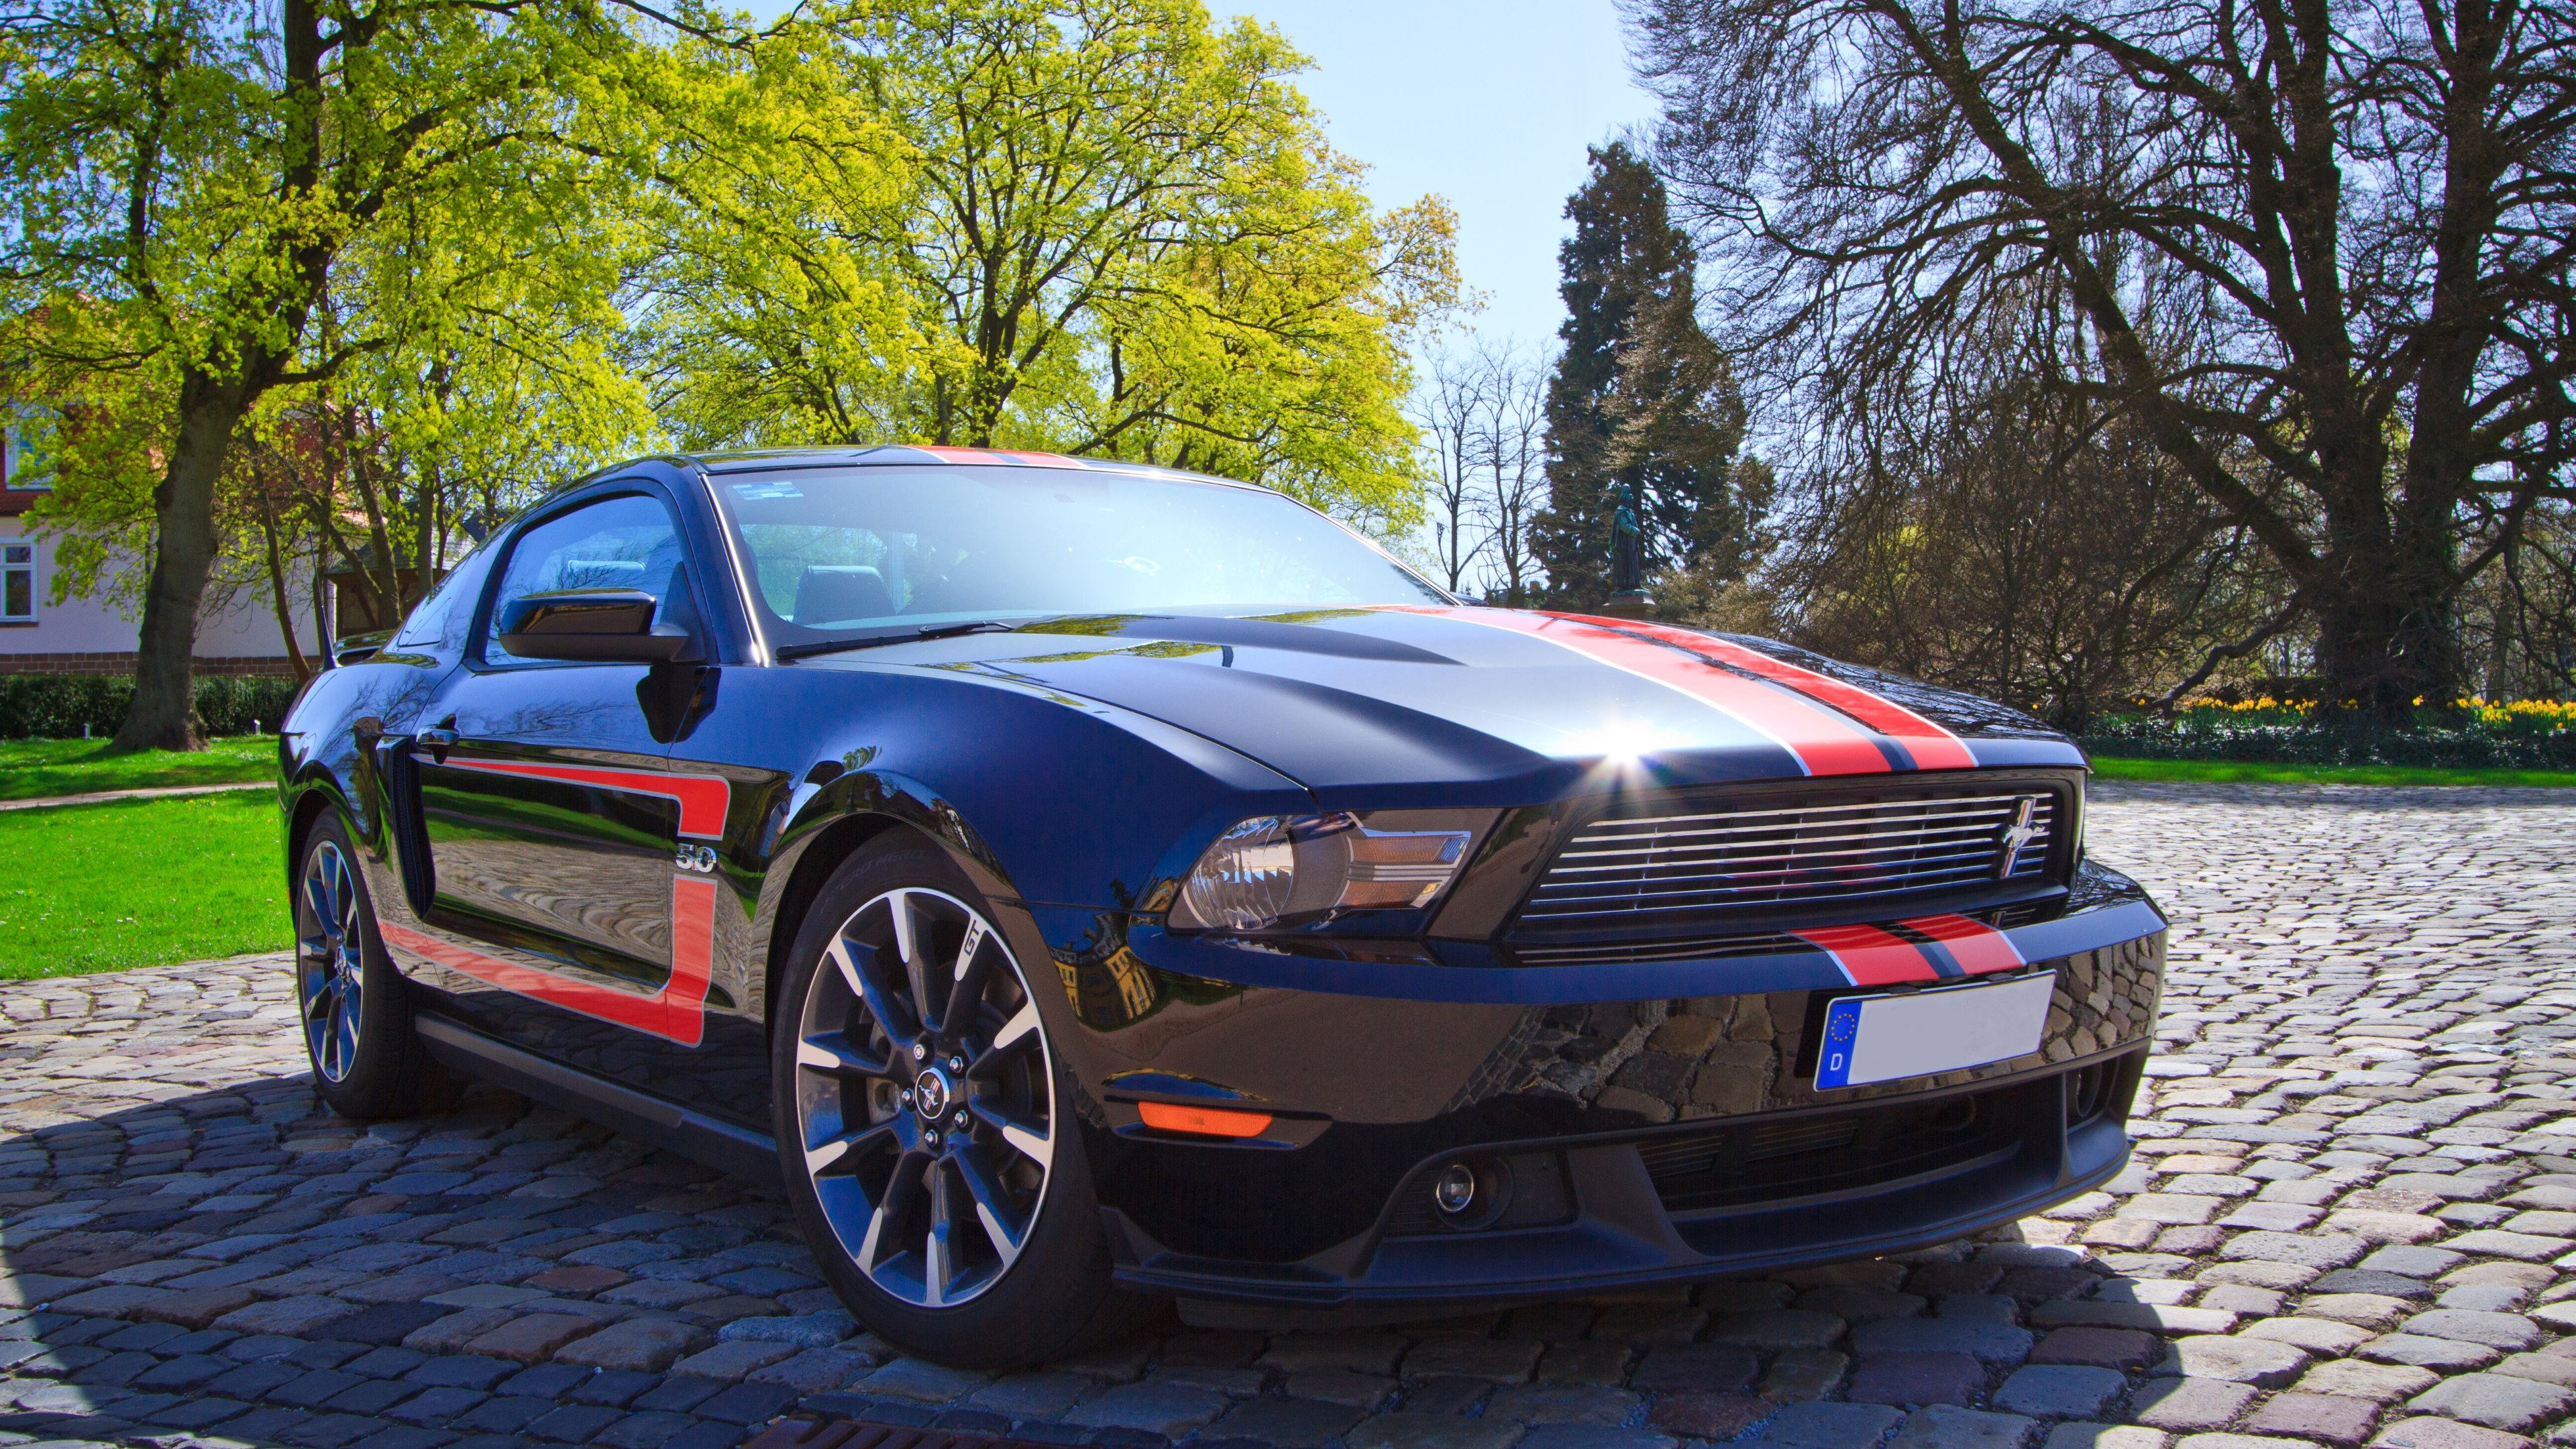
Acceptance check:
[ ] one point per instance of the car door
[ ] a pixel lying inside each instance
(570, 901)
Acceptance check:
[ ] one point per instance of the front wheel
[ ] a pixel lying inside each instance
(921, 1127)
(367, 1061)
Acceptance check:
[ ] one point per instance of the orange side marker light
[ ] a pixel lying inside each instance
(1202, 1121)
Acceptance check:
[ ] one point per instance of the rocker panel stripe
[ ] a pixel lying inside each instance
(676, 1012)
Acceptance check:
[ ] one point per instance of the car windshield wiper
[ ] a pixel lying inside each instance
(786, 652)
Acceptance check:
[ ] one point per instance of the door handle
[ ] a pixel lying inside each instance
(438, 741)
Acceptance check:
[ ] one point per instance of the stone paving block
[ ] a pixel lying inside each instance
(1504, 1361)
(1167, 1409)
(1291, 1423)
(2116, 1348)
(641, 1345)
(1945, 1427)
(1582, 1363)
(1592, 1436)
(1709, 1368)
(921, 1381)
(527, 1338)
(1430, 1431)
(2306, 1250)
(1778, 1328)
(2188, 1404)
(1993, 1343)
(2445, 1434)
(294, 1317)
(2321, 1336)
(1827, 1426)
(1341, 1386)
(2061, 1391)
(1800, 1374)
(746, 1403)
(2104, 1436)
(1368, 1353)
(2547, 1368)
(2330, 1417)
(1917, 1378)
(1709, 1416)
(2496, 1330)
(2366, 1310)
(2494, 1400)
(1565, 1404)
(2443, 1355)
(1451, 1395)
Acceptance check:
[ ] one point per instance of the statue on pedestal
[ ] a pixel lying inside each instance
(1628, 598)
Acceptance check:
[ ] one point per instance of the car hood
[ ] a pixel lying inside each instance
(1390, 706)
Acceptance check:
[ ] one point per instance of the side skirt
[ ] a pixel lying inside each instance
(721, 1145)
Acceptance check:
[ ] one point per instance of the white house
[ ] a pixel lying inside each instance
(91, 636)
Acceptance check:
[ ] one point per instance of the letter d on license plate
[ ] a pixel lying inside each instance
(1923, 1033)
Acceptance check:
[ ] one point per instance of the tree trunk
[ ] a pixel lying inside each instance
(277, 582)
(2384, 635)
(163, 715)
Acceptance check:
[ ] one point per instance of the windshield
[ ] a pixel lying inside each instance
(841, 551)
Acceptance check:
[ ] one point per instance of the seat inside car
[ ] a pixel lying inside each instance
(837, 593)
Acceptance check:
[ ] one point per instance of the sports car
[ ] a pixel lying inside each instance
(1081, 885)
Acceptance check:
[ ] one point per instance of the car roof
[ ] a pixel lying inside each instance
(751, 460)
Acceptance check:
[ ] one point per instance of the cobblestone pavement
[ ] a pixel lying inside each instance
(2350, 1220)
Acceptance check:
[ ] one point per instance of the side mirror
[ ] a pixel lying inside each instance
(591, 626)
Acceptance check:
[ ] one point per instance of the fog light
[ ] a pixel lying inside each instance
(1455, 1192)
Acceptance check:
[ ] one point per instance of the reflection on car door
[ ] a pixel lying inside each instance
(568, 908)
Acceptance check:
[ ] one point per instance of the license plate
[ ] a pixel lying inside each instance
(1924, 1033)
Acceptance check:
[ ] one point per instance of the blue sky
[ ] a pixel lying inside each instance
(1488, 103)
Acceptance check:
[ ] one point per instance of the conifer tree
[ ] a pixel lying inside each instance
(1640, 396)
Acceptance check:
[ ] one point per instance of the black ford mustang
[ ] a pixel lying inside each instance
(1083, 884)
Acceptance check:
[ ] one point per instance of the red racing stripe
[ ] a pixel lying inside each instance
(1976, 946)
(675, 1013)
(702, 798)
(1869, 956)
(1932, 747)
(1821, 741)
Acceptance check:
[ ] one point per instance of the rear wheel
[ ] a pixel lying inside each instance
(926, 1150)
(367, 1061)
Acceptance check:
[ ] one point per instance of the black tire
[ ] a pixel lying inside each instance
(367, 1062)
(868, 1171)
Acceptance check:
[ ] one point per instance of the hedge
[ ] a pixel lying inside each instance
(60, 706)
(2211, 735)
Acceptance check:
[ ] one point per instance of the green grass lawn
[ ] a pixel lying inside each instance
(140, 883)
(33, 768)
(2236, 772)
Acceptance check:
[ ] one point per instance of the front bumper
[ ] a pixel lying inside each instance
(1654, 1119)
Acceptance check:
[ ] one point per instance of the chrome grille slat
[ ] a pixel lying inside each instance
(1685, 861)
(1734, 852)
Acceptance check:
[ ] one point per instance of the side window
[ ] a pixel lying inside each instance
(448, 609)
(625, 542)
(17, 583)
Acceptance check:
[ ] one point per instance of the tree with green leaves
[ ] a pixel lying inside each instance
(1105, 227)
(195, 181)
(1640, 397)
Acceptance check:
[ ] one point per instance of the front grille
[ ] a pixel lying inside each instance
(1764, 1163)
(1680, 948)
(1647, 867)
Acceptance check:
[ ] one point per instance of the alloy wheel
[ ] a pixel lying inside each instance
(330, 960)
(925, 1097)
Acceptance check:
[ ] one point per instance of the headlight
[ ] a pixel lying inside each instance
(1295, 870)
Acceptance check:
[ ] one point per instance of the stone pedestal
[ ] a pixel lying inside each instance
(1629, 604)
